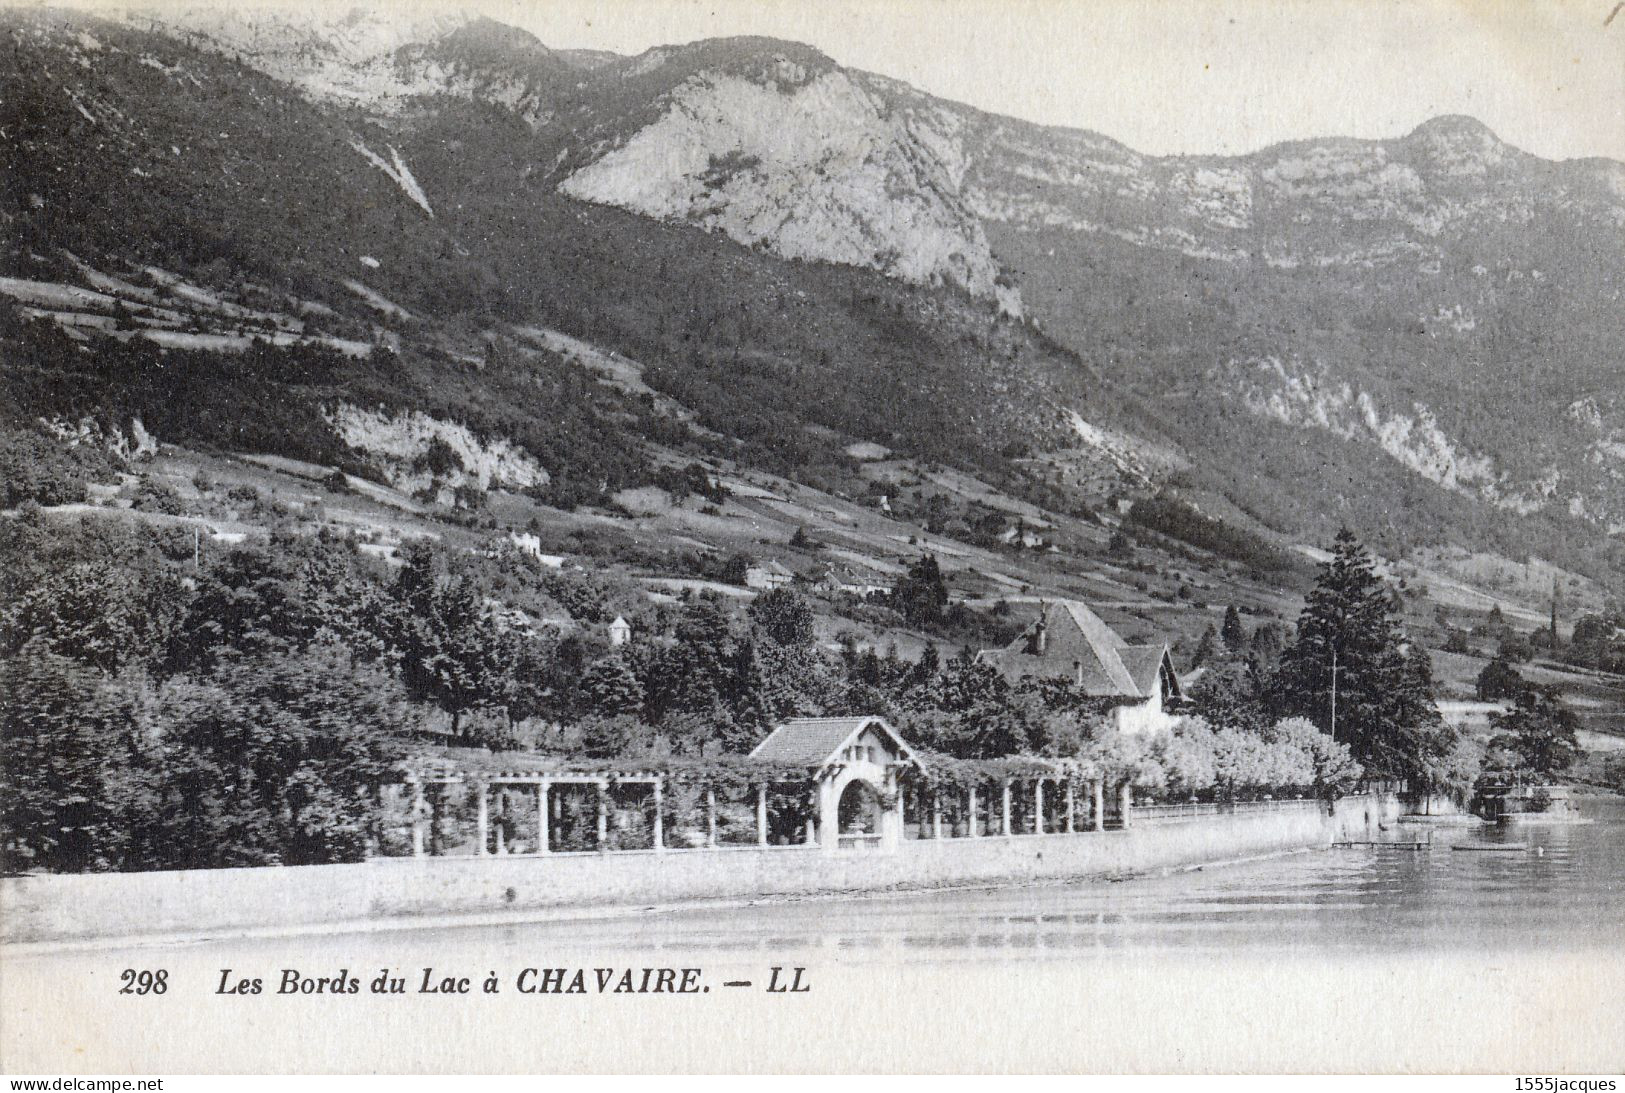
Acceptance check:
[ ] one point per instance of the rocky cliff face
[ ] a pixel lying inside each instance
(1399, 294)
(808, 161)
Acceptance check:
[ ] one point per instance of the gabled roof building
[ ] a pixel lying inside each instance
(855, 763)
(1070, 642)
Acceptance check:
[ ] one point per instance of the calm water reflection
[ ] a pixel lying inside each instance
(1567, 897)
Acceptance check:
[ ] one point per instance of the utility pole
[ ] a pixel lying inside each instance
(1554, 615)
(1334, 694)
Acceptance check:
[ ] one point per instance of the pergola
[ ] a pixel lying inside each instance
(847, 782)
(542, 779)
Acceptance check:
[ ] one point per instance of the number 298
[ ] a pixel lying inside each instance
(144, 982)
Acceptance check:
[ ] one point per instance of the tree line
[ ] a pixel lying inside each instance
(161, 714)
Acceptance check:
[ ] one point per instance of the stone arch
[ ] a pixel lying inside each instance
(858, 809)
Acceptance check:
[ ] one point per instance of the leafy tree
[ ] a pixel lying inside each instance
(64, 741)
(451, 651)
(344, 605)
(247, 601)
(1593, 644)
(783, 616)
(1454, 772)
(101, 615)
(1499, 680)
(924, 672)
(438, 459)
(783, 681)
(35, 467)
(1539, 731)
(1333, 768)
(530, 691)
(736, 567)
(1349, 645)
(973, 713)
(1227, 697)
(612, 736)
(271, 760)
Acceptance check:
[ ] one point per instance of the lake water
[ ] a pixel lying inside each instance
(1568, 896)
(1349, 959)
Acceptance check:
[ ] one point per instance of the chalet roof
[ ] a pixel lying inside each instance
(1144, 662)
(852, 574)
(1102, 663)
(815, 741)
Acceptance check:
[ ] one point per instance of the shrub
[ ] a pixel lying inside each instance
(35, 468)
(155, 496)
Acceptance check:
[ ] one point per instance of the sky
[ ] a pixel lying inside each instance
(1172, 76)
(1198, 76)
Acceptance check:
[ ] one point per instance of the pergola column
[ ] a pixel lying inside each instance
(761, 814)
(603, 815)
(1071, 807)
(936, 814)
(483, 822)
(417, 818)
(660, 818)
(1126, 802)
(542, 817)
(1038, 806)
(1005, 829)
(710, 817)
(1100, 804)
(813, 815)
(970, 828)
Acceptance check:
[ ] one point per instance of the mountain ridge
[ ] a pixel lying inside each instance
(1363, 290)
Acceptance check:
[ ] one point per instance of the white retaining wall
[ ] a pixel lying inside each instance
(99, 905)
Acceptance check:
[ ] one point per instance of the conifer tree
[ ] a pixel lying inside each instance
(1351, 672)
(922, 593)
(1206, 648)
(610, 688)
(1235, 638)
(1539, 731)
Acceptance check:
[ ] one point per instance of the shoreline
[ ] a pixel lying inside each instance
(93, 911)
(600, 913)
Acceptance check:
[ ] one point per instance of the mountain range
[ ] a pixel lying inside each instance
(762, 256)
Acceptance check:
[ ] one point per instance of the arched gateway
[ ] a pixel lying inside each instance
(856, 762)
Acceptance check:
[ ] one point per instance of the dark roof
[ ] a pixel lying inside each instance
(814, 741)
(1143, 663)
(1105, 666)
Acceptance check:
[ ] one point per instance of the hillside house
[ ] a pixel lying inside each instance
(529, 544)
(620, 632)
(1070, 642)
(854, 582)
(768, 576)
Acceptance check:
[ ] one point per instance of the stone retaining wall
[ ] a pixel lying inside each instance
(221, 901)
